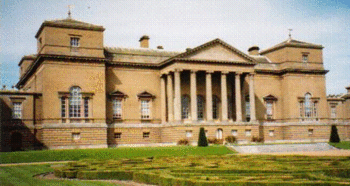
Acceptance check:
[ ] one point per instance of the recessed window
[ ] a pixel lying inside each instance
(185, 102)
(200, 107)
(234, 132)
(188, 133)
(86, 107)
(74, 42)
(76, 136)
(117, 109)
(247, 109)
(271, 133)
(145, 135)
(333, 111)
(215, 107)
(311, 132)
(305, 58)
(248, 132)
(219, 134)
(269, 109)
(17, 110)
(118, 135)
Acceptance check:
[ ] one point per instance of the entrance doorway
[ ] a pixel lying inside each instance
(16, 141)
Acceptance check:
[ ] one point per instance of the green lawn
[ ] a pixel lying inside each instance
(111, 153)
(342, 145)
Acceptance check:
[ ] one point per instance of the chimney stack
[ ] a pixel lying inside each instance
(144, 41)
(348, 88)
(160, 47)
(254, 50)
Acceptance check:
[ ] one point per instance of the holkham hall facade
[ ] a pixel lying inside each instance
(77, 93)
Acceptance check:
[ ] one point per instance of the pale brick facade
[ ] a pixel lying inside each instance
(77, 93)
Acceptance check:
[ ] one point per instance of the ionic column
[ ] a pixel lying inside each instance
(177, 100)
(162, 99)
(209, 96)
(193, 95)
(252, 98)
(170, 98)
(224, 96)
(238, 97)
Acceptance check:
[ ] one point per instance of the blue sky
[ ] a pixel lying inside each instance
(179, 24)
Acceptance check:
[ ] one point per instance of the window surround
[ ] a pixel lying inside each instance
(17, 112)
(305, 57)
(270, 114)
(311, 114)
(64, 104)
(146, 96)
(120, 96)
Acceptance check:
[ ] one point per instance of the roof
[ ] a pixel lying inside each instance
(208, 44)
(260, 59)
(27, 57)
(69, 23)
(292, 43)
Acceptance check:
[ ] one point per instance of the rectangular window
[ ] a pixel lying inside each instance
(118, 135)
(86, 107)
(234, 132)
(248, 132)
(305, 58)
(63, 107)
(17, 110)
(145, 109)
(269, 109)
(188, 133)
(76, 136)
(74, 42)
(145, 135)
(247, 109)
(117, 109)
(311, 132)
(271, 133)
(333, 111)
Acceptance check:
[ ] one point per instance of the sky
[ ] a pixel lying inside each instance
(181, 24)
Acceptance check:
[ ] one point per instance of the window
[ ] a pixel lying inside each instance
(75, 102)
(17, 110)
(75, 136)
(219, 134)
(310, 132)
(308, 107)
(229, 108)
(117, 108)
(86, 107)
(305, 58)
(333, 111)
(200, 107)
(269, 109)
(145, 135)
(74, 42)
(145, 109)
(215, 107)
(248, 132)
(247, 109)
(188, 133)
(185, 102)
(63, 107)
(118, 135)
(234, 133)
(271, 133)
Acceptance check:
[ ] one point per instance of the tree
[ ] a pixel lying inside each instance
(202, 140)
(334, 135)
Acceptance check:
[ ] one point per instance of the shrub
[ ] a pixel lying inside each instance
(215, 141)
(256, 139)
(183, 142)
(334, 135)
(202, 139)
(230, 139)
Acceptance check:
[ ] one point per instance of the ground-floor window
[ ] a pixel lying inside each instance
(145, 109)
(117, 108)
(248, 132)
(200, 107)
(145, 134)
(188, 133)
(185, 106)
(219, 134)
(234, 132)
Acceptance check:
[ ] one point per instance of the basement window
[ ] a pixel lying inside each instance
(271, 133)
(118, 135)
(145, 135)
(311, 132)
(76, 136)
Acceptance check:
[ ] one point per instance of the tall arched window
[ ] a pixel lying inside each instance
(185, 109)
(200, 107)
(75, 103)
(219, 134)
(215, 107)
(308, 106)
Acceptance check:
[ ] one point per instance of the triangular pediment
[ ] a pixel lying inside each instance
(216, 50)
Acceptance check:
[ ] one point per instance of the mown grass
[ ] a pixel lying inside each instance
(341, 145)
(112, 153)
(23, 176)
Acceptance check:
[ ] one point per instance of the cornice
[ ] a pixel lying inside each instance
(291, 71)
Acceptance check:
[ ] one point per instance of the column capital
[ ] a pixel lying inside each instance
(252, 74)
(209, 71)
(238, 73)
(178, 70)
(194, 71)
(225, 72)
